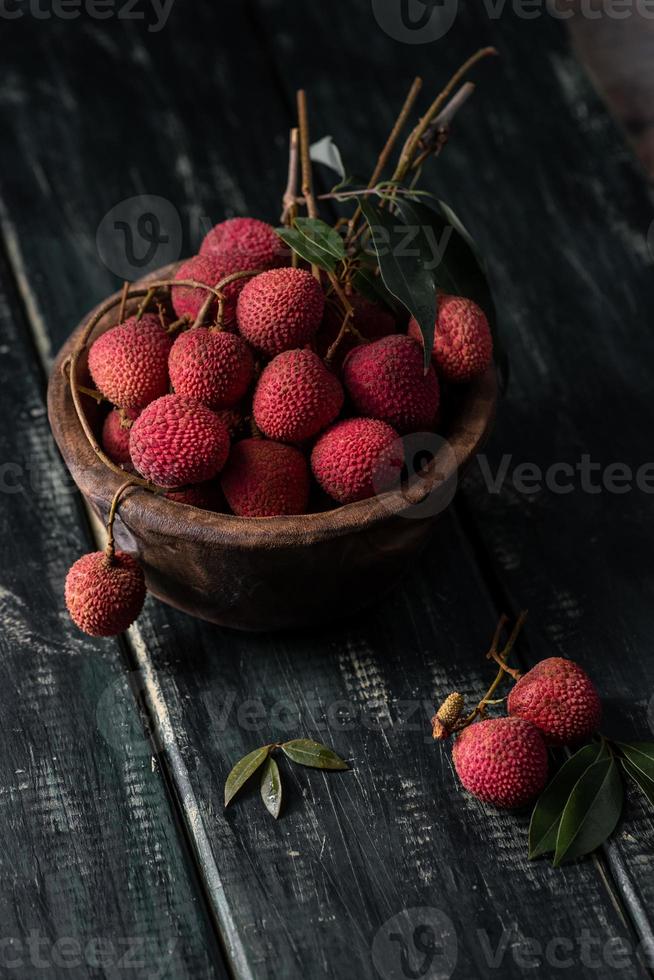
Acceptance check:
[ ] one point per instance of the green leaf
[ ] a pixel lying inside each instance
(310, 753)
(306, 249)
(271, 787)
(406, 256)
(640, 755)
(592, 811)
(242, 771)
(372, 287)
(640, 779)
(547, 813)
(322, 236)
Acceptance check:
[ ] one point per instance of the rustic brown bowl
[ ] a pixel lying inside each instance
(272, 572)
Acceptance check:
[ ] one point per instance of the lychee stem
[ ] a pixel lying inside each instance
(220, 286)
(110, 548)
(289, 201)
(305, 158)
(123, 301)
(408, 151)
(176, 324)
(146, 302)
(500, 658)
(385, 154)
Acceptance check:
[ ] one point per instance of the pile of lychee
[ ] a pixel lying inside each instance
(244, 394)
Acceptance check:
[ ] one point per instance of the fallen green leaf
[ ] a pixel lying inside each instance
(592, 811)
(271, 787)
(242, 771)
(309, 753)
(547, 813)
(640, 779)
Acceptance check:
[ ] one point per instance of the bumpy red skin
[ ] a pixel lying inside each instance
(212, 366)
(115, 437)
(265, 479)
(129, 363)
(356, 459)
(502, 761)
(279, 310)
(233, 420)
(463, 344)
(176, 440)
(559, 698)
(203, 495)
(104, 597)
(386, 381)
(371, 320)
(296, 397)
(210, 268)
(255, 240)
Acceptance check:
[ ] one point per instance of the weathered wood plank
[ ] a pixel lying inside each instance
(96, 876)
(567, 232)
(352, 850)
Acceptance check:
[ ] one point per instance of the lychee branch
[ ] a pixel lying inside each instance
(110, 547)
(413, 142)
(220, 287)
(290, 194)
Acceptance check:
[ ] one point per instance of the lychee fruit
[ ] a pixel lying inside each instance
(557, 696)
(104, 594)
(280, 309)
(233, 420)
(296, 397)
(177, 440)
(256, 242)
(386, 380)
(129, 363)
(115, 435)
(356, 459)
(371, 320)
(212, 366)
(202, 495)
(463, 344)
(502, 761)
(210, 268)
(265, 479)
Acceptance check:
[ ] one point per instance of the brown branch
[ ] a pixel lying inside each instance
(307, 181)
(385, 154)
(289, 200)
(411, 145)
(123, 301)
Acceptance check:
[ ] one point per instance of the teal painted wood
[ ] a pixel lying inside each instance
(354, 850)
(96, 878)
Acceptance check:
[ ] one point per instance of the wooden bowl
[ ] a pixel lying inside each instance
(272, 572)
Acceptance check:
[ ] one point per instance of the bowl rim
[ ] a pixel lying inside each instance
(141, 508)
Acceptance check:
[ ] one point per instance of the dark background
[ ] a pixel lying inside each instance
(114, 753)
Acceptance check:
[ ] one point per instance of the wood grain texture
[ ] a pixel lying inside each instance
(96, 879)
(355, 849)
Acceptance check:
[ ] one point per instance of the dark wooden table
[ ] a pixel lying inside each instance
(117, 859)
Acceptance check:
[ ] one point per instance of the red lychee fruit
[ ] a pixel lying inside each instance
(463, 344)
(370, 319)
(356, 459)
(559, 698)
(212, 366)
(233, 420)
(280, 309)
(296, 397)
(177, 440)
(129, 363)
(255, 241)
(104, 595)
(210, 268)
(265, 479)
(115, 436)
(502, 761)
(386, 380)
(203, 495)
